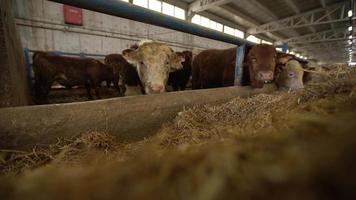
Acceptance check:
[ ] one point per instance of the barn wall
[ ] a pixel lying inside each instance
(42, 27)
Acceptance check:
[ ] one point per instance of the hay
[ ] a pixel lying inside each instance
(65, 151)
(296, 144)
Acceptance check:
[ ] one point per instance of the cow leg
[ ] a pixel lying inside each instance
(97, 89)
(122, 83)
(88, 88)
(116, 85)
(196, 83)
(175, 86)
(142, 88)
(108, 83)
(42, 88)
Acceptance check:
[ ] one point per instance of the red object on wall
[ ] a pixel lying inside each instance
(73, 15)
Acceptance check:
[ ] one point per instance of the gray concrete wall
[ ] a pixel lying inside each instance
(42, 27)
(129, 118)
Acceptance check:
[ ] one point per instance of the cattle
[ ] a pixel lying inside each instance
(154, 61)
(69, 72)
(291, 76)
(283, 58)
(124, 73)
(216, 68)
(179, 79)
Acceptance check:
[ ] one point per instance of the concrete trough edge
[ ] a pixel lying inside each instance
(129, 118)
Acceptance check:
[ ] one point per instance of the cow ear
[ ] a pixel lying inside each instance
(176, 61)
(283, 59)
(131, 56)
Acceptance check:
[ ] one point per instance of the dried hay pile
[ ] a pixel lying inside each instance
(287, 145)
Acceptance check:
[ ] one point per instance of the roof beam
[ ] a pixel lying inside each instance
(201, 5)
(305, 19)
(322, 46)
(323, 4)
(297, 11)
(247, 21)
(323, 36)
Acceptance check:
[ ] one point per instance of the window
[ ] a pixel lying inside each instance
(167, 9)
(229, 30)
(204, 22)
(219, 27)
(179, 13)
(196, 19)
(254, 39)
(239, 33)
(266, 42)
(155, 5)
(215, 25)
(142, 3)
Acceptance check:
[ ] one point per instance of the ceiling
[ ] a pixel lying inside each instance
(313, 28)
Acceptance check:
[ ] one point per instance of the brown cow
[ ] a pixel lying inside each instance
(216, 68)
(154, 61)
(124, 73)
(179, 79)
(67, 71)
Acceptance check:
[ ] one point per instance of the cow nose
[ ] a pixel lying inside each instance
(155, 88)
(265, 75)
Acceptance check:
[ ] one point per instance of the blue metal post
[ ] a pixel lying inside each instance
(28, 64)
(284, 47)
(82, 54)
(240, 55)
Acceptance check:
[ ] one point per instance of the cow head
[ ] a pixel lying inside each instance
(154, 61)
(291, 76)
(261, 61)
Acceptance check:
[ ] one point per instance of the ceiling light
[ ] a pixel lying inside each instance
(350, 28)
(350, 37)
(349, 13)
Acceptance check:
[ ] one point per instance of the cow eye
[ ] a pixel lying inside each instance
(141, 62)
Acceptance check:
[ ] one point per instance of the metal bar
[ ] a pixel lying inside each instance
(265, 27)
(201, 5)
(28, 65)
(129, 11)
(240, 55)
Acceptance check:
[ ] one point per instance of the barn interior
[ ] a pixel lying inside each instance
(227, 142)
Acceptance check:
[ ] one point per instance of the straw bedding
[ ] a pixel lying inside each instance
(286, 145)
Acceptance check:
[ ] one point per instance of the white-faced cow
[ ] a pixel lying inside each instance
(154, 61)
(290, 76)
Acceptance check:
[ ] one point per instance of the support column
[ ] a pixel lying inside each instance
(14, 87)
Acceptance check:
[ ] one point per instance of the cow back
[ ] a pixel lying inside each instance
(214, 68)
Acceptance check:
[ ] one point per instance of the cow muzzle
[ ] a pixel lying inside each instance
(155, 89)
(265, 76)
